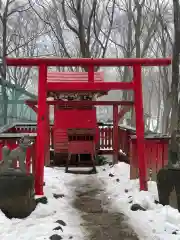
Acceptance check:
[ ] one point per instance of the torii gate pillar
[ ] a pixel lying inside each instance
(41, 130)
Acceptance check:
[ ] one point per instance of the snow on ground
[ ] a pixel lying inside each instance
(40, 224)
(158, 222)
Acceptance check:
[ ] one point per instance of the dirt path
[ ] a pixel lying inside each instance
(100, 223)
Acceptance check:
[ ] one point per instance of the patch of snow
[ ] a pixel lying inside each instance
(40, 224)
(157, 222)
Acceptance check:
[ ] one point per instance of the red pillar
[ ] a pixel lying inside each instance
(48, 138)
(115, 134)
(41, 130)
(91, 74)
(138, 98)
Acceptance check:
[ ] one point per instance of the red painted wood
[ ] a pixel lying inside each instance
(106, 137)
(65, 119)
(151, 151)
(101, 137)
(149, 154)
(47, 148)
(136, 85)
(41, 130)
(156, 153)
(97, 138)
(1, 146)
(110, 137)
(91, 75)
(146, 153)
(115, 134)
(88, 61)
(140, 127)
(88, 87)
(60, 140)
(83, 103)
(81, 147)
(75, 76)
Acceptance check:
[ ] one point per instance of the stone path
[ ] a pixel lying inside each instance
(100, 223)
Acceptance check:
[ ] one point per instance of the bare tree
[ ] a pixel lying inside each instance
(15, 18)
(136, 26)
(162, 47)
(76, 25)
(175, 114)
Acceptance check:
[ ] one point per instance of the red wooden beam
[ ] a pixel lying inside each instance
(88, 61)
(83, 103)
(88, 87)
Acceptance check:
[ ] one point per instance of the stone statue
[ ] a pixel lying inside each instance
(19, 153)
(168, 178)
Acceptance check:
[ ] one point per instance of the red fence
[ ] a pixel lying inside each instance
(106, 139)
(156, 154)
(156, 147)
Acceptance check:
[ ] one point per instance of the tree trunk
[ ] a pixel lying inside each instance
(165, 117)
(175, 67)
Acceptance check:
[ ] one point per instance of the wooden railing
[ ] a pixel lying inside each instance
(156, 147)
(105, 135)
(106, 138)
(156, 155)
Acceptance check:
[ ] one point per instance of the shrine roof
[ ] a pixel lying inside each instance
(73, 77)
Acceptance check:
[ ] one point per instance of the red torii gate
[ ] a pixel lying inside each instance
(44, 87)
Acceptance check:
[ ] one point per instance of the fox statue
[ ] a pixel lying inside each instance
(19, 153)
